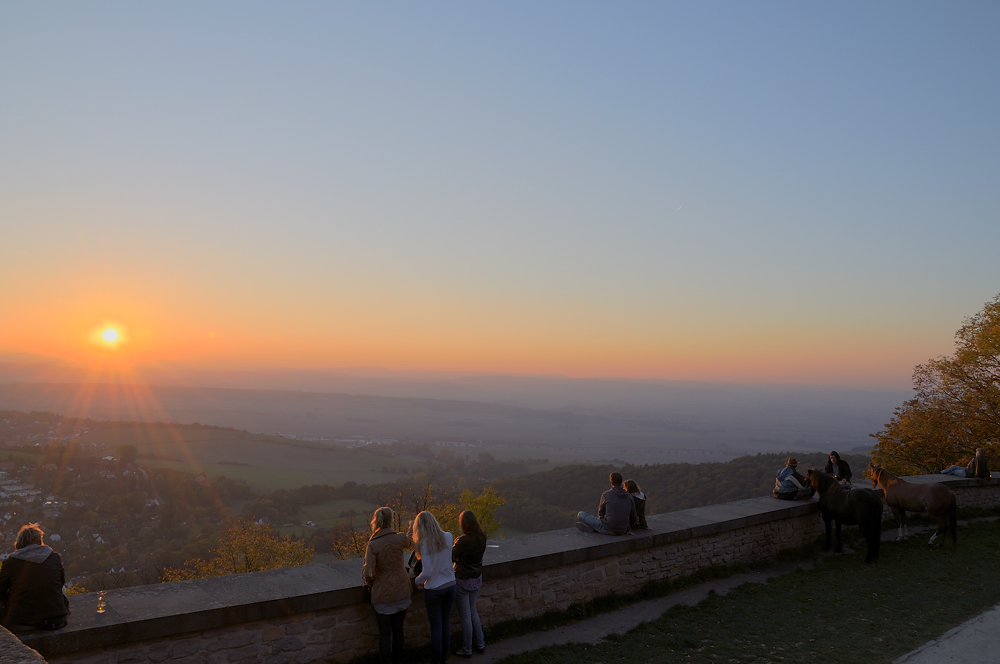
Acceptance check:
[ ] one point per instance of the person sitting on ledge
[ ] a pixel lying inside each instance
(789, 485)
(640, 502)
(616, 513)
(977, 468)
(31, 584)
(839, 469)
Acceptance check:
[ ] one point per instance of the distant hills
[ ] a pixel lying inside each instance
(588, 419)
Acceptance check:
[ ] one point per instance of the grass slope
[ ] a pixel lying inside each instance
(840, 612)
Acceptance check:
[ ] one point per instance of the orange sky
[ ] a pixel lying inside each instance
(63, 318)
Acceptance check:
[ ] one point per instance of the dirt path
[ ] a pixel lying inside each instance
(592, 630)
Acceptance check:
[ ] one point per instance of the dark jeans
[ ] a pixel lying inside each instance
(438, 603)
(801, 494)
(390, 628)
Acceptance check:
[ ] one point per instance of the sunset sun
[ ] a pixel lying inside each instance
(110, 335)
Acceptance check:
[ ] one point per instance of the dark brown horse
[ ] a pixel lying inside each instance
(848, 507)
(934, 498)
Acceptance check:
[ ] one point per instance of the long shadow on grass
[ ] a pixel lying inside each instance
(841, 611)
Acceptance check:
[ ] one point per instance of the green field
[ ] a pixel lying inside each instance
(267, 462)
(327, 515)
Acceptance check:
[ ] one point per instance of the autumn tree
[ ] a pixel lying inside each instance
(348, 541)
(244, 547)
(484, 506)
(956, 407)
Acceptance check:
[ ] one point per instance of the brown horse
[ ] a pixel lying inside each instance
(935, 499)
(850, 507)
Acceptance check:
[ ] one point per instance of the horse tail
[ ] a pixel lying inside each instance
(953, 521)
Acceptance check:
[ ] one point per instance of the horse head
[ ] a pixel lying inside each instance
(819, 480)
(873, 472)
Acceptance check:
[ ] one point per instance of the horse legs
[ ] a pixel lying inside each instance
(827, 520)
(901, 519)
(942, 527)
(946, 522)
(840, 547)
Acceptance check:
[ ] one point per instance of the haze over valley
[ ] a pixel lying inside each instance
(561, 418)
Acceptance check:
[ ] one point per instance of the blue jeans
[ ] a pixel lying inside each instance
(958, 471)
(438, 603)
(471, 626)
(593, 522)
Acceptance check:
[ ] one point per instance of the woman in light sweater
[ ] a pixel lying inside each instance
(437, 578)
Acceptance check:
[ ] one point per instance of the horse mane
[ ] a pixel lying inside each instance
(824, 480)
(877, 472)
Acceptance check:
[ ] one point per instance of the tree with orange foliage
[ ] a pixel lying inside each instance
(244, 547)
(957, 404)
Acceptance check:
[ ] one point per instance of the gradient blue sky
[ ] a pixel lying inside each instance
(777, 192)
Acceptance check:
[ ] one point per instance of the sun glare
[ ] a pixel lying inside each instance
(109, 336)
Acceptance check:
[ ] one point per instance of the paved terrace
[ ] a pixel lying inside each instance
(316, 612)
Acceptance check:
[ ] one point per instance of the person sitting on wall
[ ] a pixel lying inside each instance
(977, 468)
(640, 502)
(31, 584)
(789, 485)
(616, 513)
(838, 468)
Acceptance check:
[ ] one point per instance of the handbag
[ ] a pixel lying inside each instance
(414, 567)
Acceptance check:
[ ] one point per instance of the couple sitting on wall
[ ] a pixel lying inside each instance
(616, 513)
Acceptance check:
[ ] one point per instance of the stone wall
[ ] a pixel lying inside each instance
(315, 613)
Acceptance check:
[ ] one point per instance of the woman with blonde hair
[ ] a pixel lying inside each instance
(385, 573)
(437, 578)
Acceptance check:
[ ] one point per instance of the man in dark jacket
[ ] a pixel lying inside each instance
(838, 468)
(31, 584)
(616, 513)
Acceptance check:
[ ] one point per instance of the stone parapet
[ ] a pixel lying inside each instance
(12, 651)
(316, 613)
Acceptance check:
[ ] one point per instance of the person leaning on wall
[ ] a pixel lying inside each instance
(390, 584)
(437, 578)
(31, 584)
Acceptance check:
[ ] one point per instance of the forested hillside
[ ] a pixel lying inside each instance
(551, 499)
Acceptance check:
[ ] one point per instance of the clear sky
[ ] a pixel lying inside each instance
(775, 192)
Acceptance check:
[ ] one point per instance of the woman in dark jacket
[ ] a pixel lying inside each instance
(467, 554)
(838, 468)
(31, 584)
(639, 498)
(385, 573)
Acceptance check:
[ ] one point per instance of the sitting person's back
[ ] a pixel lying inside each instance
(978, 466)
(31, 584)
(639, 498)
(616, 513)
(789, 485)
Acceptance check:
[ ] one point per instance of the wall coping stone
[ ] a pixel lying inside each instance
(167, 609)
(12, 651)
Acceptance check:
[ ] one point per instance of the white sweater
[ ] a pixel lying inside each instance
(437, 568)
